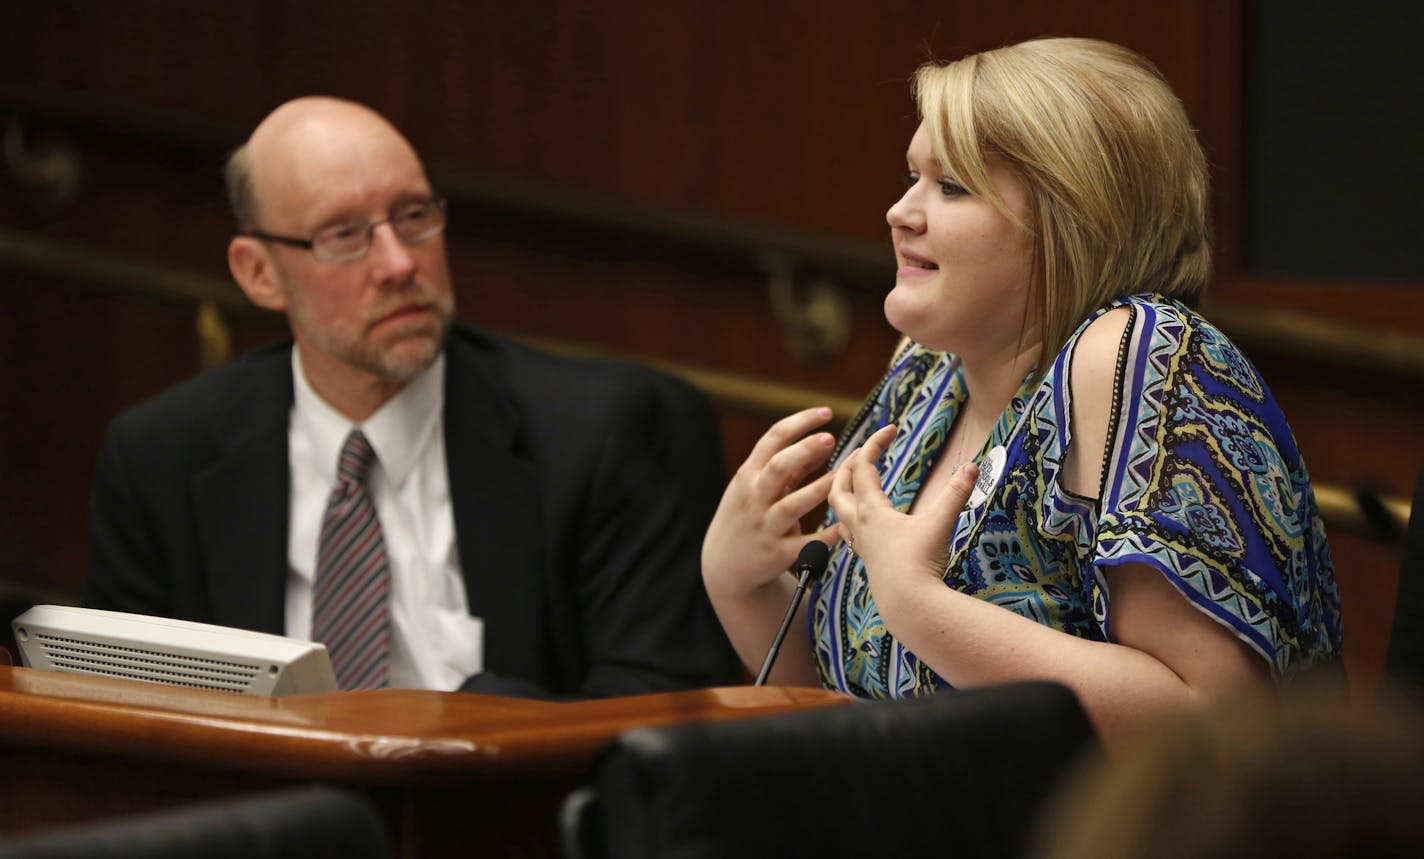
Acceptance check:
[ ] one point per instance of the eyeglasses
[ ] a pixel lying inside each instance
(413, 223)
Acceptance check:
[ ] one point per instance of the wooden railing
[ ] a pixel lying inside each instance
(774, 248)
(213, 299)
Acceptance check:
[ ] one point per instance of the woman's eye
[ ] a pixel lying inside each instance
(910, 179)
(950, 188)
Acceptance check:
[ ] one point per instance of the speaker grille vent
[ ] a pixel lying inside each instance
(90, 657)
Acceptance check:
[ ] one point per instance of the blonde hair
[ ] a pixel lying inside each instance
(1116, 180)
(1307, 772)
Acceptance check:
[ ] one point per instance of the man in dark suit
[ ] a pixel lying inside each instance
(509, 521)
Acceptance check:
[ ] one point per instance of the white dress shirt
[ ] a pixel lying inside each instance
(435, 642)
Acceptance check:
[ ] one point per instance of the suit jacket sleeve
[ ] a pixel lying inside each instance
(647, 624)
(124, 563)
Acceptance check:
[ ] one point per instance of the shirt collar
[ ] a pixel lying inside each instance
(398, 431)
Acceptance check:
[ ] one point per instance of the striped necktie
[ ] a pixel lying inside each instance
(351, 599)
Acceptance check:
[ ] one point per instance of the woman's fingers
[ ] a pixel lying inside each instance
(832, 535)
(947, 506)
(787, 468)
(841, 496)
(857, 479)
(804, 500)
(756, 531)
(878, 442)
(783, 433)
(863, 478)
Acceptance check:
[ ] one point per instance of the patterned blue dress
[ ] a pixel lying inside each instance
(1202, 481)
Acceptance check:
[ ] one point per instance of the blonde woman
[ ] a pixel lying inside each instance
(1067, 473)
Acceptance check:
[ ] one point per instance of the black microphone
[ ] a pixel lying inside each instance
(810, 562)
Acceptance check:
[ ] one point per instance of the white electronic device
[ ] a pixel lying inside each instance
(178, 652)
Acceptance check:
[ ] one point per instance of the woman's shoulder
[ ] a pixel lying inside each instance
(1136, 329)
(1168, 316)
(1156, 322)
(1095, 347)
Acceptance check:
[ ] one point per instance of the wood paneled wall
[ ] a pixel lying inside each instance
(788, 114)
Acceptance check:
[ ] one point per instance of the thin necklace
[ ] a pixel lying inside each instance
(958, 459)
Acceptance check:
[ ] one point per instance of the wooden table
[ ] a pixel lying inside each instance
(453, 773)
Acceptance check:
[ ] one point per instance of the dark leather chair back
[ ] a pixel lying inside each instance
(1405, 660)
(310, 822)
(961, 773)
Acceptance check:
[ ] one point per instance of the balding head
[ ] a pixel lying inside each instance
(289, 142)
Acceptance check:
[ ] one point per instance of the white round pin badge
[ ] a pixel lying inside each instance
(991, 470)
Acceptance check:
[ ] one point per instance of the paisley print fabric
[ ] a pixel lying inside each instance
(1202, 481)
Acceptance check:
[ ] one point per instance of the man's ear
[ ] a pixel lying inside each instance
(255, 271)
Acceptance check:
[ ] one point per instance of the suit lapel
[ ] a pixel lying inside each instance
(241, 502)
(495, 497)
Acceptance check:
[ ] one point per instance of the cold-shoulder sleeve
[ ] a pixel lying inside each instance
(1203, 481)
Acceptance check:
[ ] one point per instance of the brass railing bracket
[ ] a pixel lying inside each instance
(47, 166)
(814, 318)
(214, 337)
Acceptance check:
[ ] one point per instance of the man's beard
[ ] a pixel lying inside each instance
(403, 363)
(404, 359)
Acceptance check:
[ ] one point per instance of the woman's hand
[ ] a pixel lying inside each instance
(756, 532)
(901, 551)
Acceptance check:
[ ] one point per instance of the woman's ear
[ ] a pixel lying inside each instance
(255, 271)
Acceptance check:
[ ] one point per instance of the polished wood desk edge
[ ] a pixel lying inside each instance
(383, 736)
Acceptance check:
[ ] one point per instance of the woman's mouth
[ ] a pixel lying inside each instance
(914, 266)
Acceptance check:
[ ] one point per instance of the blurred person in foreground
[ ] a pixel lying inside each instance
(1310, 772)
(1066, 473)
